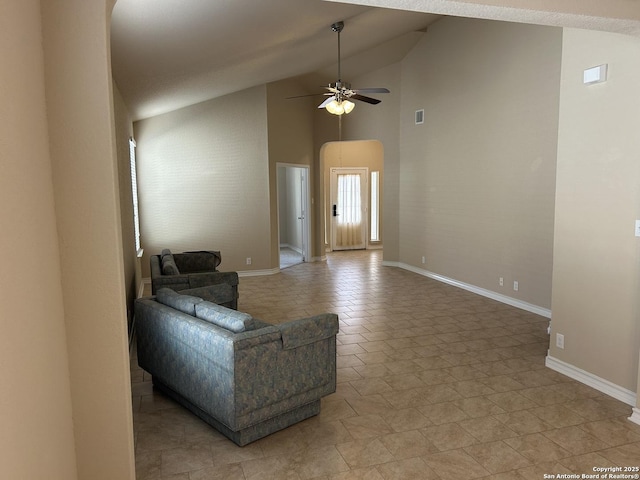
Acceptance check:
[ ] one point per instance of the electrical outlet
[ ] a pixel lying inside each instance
(637, 228)
(515, 286)
(501, 282)
(559, 340)
(424, 260)
(248, 260)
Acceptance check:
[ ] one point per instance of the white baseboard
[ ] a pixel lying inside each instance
(292, 247)
(514, 302)
(258, 273)
(600, 384)
(635, 416)
(145, 281)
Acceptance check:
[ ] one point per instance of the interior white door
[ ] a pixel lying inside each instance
(302, 217)
(349, 200)
(293, 208)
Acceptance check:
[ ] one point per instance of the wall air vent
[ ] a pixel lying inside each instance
(419, 117)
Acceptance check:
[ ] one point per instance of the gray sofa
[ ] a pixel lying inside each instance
(194, 273)
(243, 376)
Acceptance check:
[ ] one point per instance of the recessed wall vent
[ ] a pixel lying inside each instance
(419, 117)
(595, 75)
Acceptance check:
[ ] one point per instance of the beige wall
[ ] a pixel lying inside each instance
(291, 129)
(596, 291)
(204, 180)
(65, 399)
(83, 157)
(36, 436)
(478, 177)
(132, 265)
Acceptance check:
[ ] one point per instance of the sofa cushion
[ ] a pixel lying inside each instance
(225, 317)
(184, 303)
(169, 266)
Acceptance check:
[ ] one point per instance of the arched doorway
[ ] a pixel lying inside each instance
(366, 156)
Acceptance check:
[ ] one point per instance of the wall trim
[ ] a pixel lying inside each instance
(514, 302)
(635, 416)
(600, 384)
(258, 273)
(145, 281)
(292, 247)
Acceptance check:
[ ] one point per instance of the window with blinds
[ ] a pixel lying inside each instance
(134, 192)
(375, 207)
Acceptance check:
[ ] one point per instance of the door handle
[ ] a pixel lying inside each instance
(335, 210)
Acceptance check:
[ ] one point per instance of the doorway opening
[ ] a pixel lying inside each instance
(349, 200)
(352, 195)
(293, 218)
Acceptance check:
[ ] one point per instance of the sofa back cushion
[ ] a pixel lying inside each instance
(225, 317)
(184, 303)
(196, 262)
(168, 263)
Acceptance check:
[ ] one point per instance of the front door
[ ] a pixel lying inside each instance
(349, 200)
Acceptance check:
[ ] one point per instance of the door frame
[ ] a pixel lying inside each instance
(305, 203)
(364, 197)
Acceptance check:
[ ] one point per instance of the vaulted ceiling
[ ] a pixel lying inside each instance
(167, 54)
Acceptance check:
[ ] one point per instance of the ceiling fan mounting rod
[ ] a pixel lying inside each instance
(337, 27)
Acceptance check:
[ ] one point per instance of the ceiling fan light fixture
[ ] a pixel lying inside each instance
(339, 107)
(335, 107)
(348, 106)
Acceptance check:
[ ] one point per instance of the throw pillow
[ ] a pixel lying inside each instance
(224, 317)
(184, 303)
(169, 266)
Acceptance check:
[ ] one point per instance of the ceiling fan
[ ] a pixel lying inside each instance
(340, 93)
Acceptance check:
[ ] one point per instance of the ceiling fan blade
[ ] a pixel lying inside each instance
(327, 101)
(372, 90)
(308, 95)
(362, 98)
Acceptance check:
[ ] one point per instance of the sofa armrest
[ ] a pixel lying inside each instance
(308, 330)
(272, 379)
(158, 280)
(156, 267)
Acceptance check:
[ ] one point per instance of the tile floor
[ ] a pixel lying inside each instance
(433, 383)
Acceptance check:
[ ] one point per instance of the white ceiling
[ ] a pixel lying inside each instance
(167, 54)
